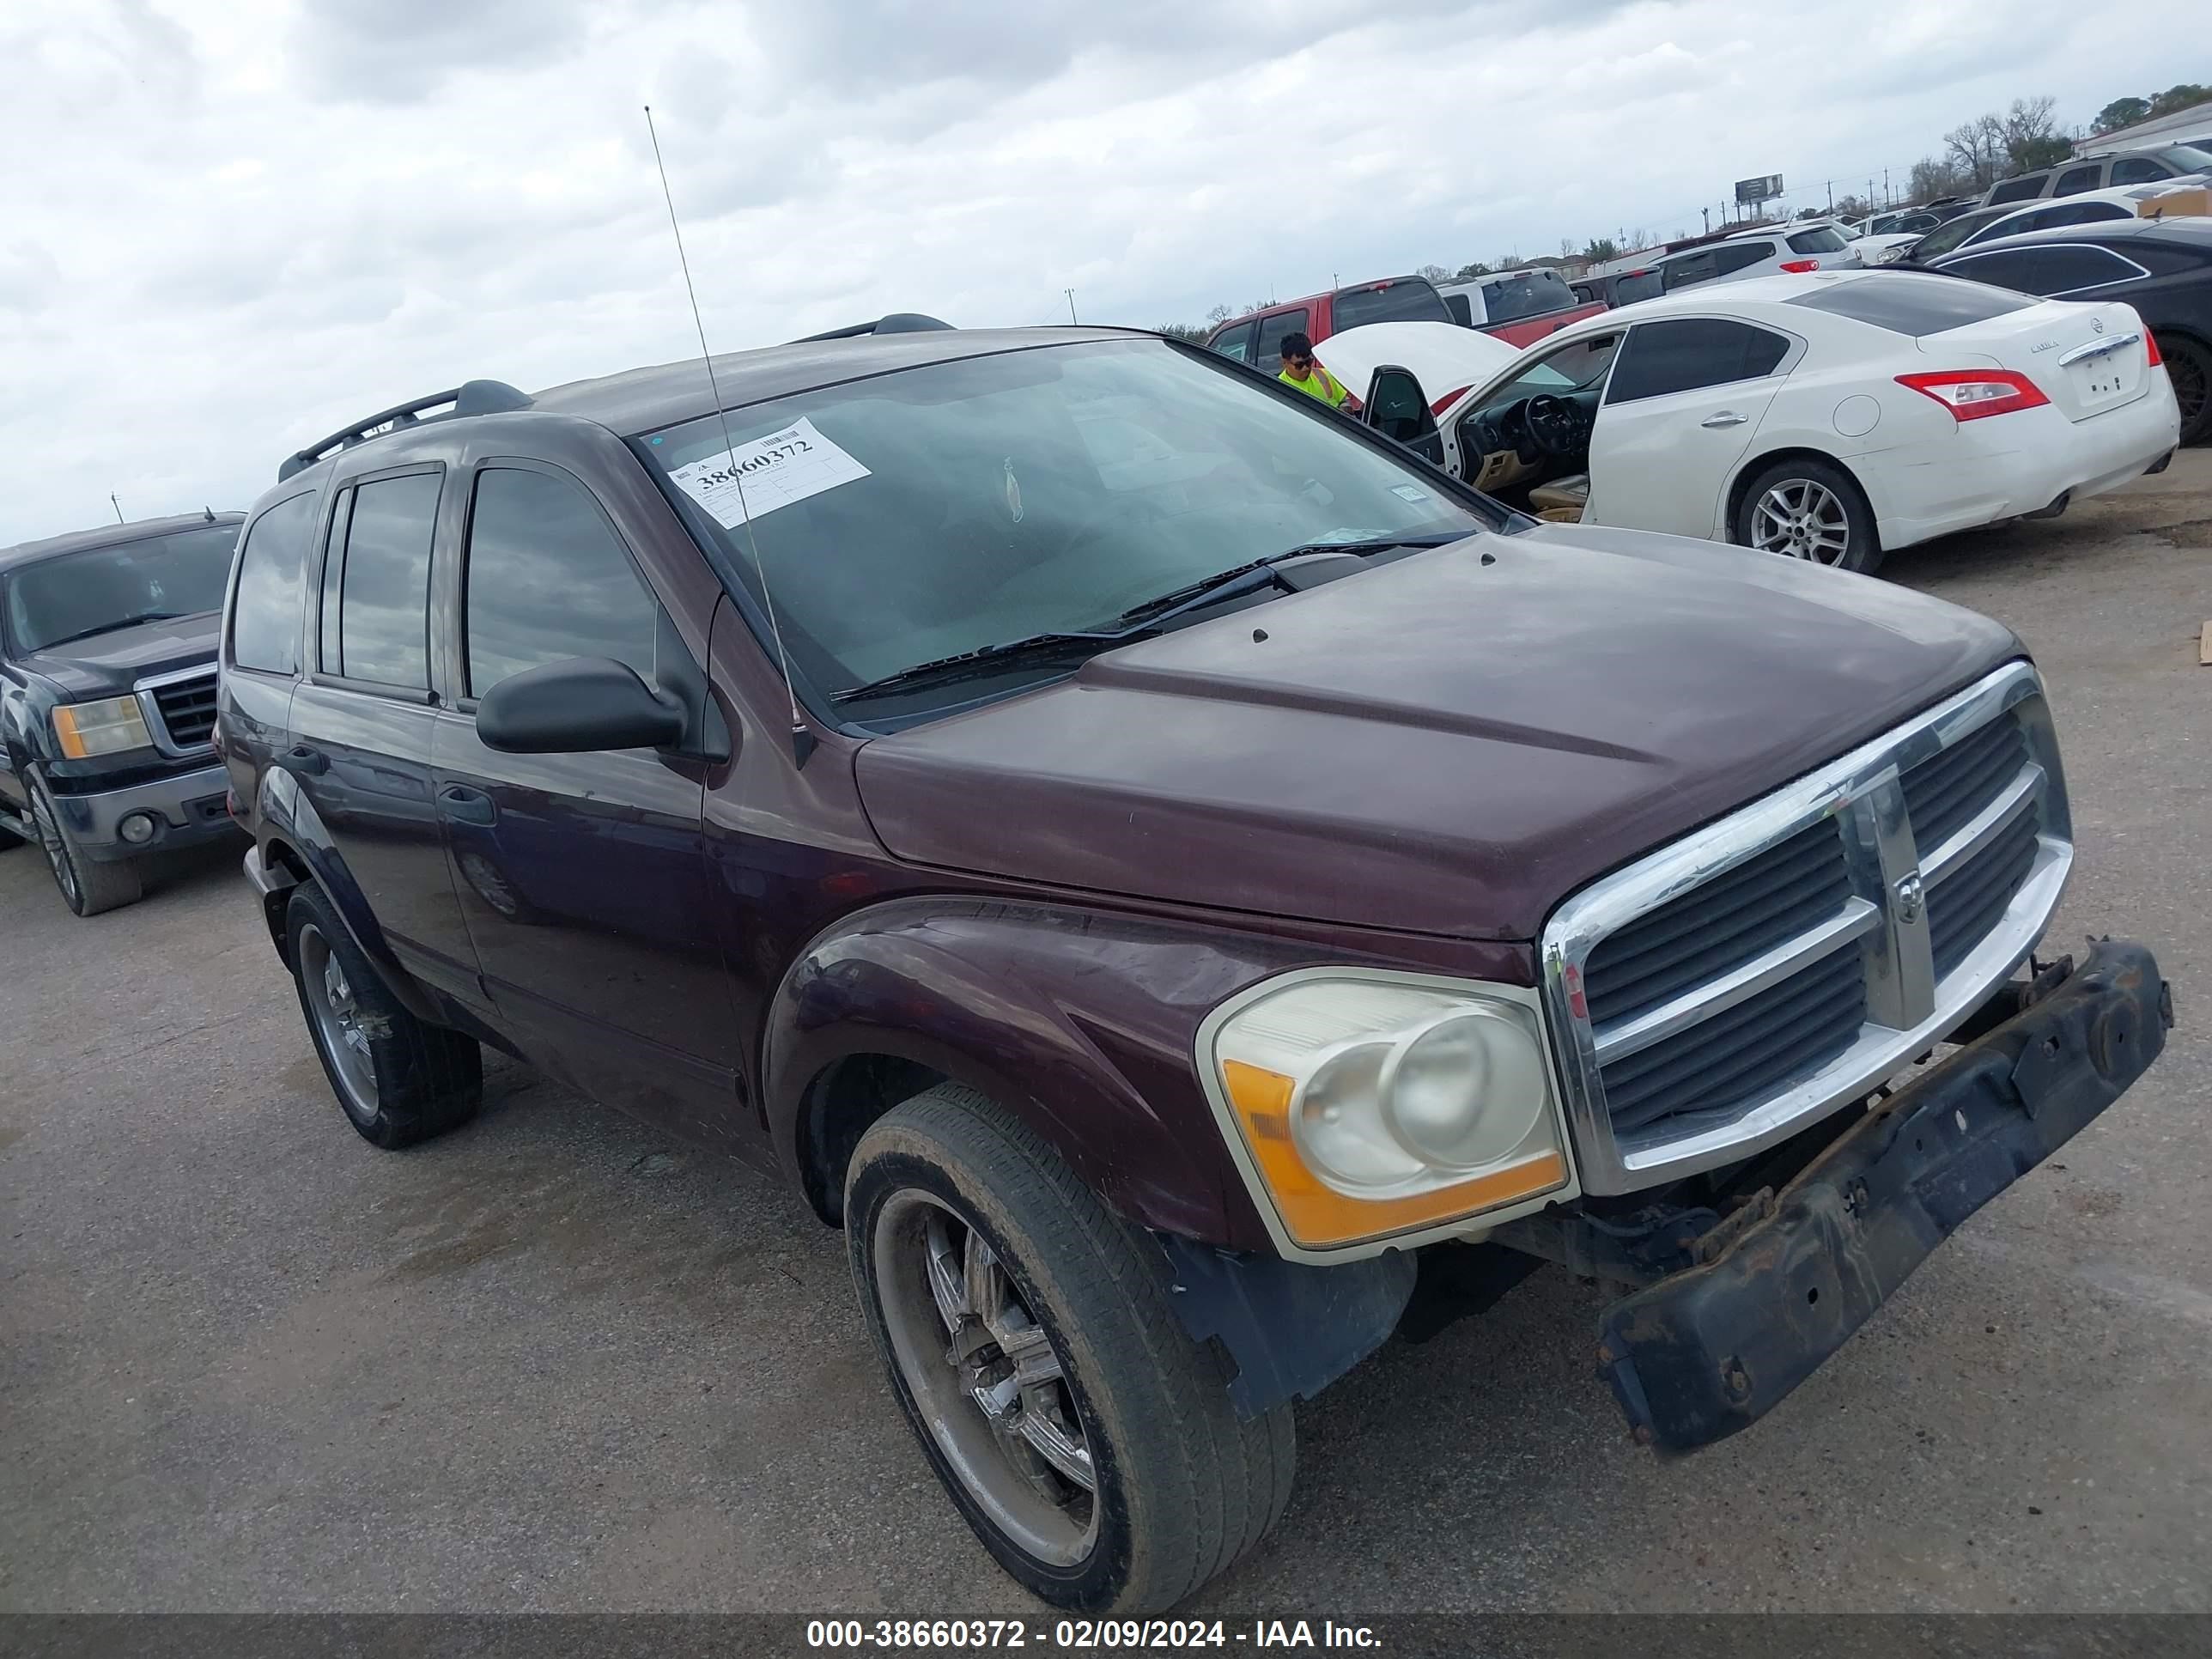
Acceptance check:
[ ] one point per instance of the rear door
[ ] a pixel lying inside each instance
(362, 722)
(1686, 396)
(1268, 349)
(582, 877)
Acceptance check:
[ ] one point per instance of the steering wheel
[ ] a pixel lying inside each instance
(1552, 425)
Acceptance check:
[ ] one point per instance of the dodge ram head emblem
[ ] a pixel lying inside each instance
(1912, 897)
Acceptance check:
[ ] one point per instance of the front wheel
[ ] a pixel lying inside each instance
(1803, 508)
(89, 885)
(1087, 1441)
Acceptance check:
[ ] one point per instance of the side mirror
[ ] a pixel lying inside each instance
(576, 707)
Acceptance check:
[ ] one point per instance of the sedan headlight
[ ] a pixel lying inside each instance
(1369, 1106)
(107, 727)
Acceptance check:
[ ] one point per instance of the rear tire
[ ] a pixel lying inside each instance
(1055, 1306)
(2189, 367)
(398, 1079)
(1803, 508)
(88, 885)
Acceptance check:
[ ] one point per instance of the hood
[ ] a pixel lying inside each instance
(1445, 358)
(110, 664)
(1443, 745)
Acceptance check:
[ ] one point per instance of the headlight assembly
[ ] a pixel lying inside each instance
(107, 727)
(1368, 1106)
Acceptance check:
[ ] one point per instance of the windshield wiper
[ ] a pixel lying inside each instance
(1227, 584)
(1144, 619)
(110, 626)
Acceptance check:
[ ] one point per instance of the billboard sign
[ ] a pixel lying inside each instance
(1749, 192)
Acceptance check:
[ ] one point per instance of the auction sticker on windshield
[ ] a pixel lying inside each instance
(760, 477)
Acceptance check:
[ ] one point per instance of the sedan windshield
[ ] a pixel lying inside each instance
(940, 510)
(81, 594)
(1944, 238)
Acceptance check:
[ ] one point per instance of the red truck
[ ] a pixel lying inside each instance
(1518, 307)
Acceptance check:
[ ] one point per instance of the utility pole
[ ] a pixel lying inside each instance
(1831, 195)
(1071, 305)
(1708, 214)
(118, 506)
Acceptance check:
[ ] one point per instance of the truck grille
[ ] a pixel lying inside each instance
(1734, 986)
(187, 710)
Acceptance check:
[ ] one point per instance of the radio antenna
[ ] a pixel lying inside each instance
(802, 739)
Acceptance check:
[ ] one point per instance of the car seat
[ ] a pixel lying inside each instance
(1562, 501)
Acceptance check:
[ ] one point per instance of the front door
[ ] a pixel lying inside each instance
(1685, 399)
(583, 876)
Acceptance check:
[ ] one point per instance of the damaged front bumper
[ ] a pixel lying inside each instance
(1710, 1350)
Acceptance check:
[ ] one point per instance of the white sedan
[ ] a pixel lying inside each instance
(1827, 416)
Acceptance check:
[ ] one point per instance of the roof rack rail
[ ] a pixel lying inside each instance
(470, 397)
(898, 322)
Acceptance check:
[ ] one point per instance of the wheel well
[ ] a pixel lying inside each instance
(842, 1102)
(1751, 468)
(273, 905)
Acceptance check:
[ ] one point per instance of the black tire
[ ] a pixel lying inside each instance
(89, 885)
(408, 1079)
(1801, 478)
(2189, 367)
(1182, 1489)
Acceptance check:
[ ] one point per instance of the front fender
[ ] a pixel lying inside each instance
(1080, 1022)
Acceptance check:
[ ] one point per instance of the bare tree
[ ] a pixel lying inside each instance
(2033, 138)
(1935, 176)
(1434, 273)
(1218, 314)
(1978, 147)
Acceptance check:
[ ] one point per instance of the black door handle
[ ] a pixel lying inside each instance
(466, 805)
(301, 758)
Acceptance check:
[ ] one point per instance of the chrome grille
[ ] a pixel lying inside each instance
(185, 705)
(1723, 993)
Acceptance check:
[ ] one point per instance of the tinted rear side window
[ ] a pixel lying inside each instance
(1268, 353)
(1821, 239)
(2007, 269)
(548, 581)
(1911, 305)
(2067, 270)
(2139, 170)
(1736, 256)
(1409, 301)
(2075, 180)
(1684, 353)
(1234, 342)
(2018, 190)
(265, 620)
(384, 608)
(1641, 285)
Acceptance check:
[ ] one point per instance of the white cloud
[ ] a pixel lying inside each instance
(228, 226)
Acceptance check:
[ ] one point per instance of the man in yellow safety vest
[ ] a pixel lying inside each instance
(1300, 370)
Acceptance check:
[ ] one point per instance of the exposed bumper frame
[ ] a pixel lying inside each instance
(1709, 1351)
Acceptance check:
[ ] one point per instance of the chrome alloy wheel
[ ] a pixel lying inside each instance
(50, 838)
(1802, 519)
(986, 1379)
(338, 1016)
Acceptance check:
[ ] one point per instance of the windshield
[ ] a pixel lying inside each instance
(919, 514)
(1525, 294)
(1944, 238)
(2189, 158)
(79, 594)
(1574, 369)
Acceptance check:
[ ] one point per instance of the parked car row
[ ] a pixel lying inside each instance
(1829, 417)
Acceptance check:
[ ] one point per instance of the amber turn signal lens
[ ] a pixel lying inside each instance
(1318, 1216)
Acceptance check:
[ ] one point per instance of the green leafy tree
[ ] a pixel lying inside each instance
(1472, 269)
(2121, 113)
(1600, 249)
(2176, 98)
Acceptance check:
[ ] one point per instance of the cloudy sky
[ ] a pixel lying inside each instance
(227, 226)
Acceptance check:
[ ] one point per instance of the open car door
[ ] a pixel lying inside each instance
(1396, 407)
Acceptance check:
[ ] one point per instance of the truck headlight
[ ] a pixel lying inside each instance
(107, 727)
(1368, 1106)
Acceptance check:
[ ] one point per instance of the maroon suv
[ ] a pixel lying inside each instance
(1166, 870)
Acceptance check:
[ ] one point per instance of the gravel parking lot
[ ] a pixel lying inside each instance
(553, 1362)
